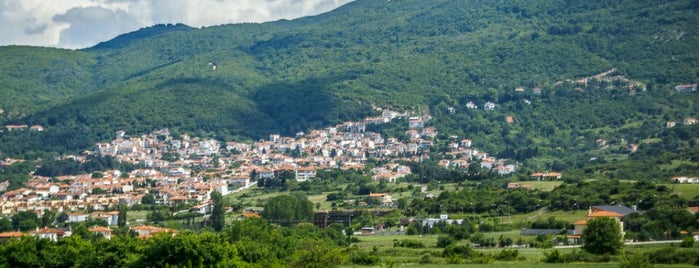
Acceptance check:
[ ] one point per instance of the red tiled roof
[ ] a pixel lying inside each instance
(11, 234)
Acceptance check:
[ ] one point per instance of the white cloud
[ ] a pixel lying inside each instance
(82, 23)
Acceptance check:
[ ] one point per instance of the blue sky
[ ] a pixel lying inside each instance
(83, 23)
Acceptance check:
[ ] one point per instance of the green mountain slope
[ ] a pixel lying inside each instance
(33, 78)
(249, 80)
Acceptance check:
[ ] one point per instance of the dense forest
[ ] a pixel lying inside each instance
(248, 80)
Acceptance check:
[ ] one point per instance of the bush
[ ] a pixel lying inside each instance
(408, 243)
(364, 258)
(553, 256)
(584, 256)
(452, 259)
(673, 256)
(634, 261)
(444, 241)
(458, 250)
(426, 259)
(507, 255)
(687, 242)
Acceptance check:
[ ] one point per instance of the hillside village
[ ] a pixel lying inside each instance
(180, 169)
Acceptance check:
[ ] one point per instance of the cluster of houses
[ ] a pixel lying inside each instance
(53, 234)
(24, 127)
(685, 179)
(687, 121)
(179, 169)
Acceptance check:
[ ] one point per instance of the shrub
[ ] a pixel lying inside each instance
(364, 258)
(687, 242)
(634, 261)
(553, 256)
(672, 256)
(458, 250)
(444, 241)
(584, 256)
(408, 243)
(452, 259)
(507, 255)
(426, 259)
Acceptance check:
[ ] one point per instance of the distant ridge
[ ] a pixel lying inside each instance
(124, 40)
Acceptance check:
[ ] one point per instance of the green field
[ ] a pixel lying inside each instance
(391, 256)
(545, 186)
(689, 191)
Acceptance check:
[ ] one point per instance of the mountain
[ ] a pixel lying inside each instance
(248, 80)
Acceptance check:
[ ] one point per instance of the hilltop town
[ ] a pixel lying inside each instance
(181, 169)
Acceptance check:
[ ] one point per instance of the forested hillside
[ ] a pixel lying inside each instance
(248, 80)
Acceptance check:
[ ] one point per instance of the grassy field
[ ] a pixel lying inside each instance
(545, 186)
(391, 256)
(688, 191)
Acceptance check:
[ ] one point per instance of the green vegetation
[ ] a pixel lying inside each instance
(289, 76)
(603, 236)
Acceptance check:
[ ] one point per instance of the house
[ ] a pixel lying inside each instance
(4, 236)
(670, 124)
(690, 121)
(514, 185)
(686, 88)
(145, 231)
(471, 105)
(203, 208)
(510, 119)
(105, 232)
(465, 143)
(384, 198)
(601, 142)
(16, 127)
(248, 215)
(632, 147)
(305, 173)
(546, 175)
(36, 128)
(368, 231)
(111, 217)
(683, 179)
(489, 106)
(76, 217)
(615, 212)
(50, 233)
(415, 122)
(4, 185)
(536, 91)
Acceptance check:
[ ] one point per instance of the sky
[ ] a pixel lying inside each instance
(78, 24)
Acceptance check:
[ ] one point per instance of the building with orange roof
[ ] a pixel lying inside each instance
(248, 215)
(547, 175)
(106, 232)
(614, 212)
(50, 233)
(146, 231)
(4, 236)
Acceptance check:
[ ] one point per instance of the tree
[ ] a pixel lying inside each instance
(121, 221)
(5, 225)
(602, 235)
(62, 217)
(25, 220)
(288, 210)
(47, 218)
(148, 199)
(218, 213)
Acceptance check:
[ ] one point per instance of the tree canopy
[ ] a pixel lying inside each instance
(602, 235)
